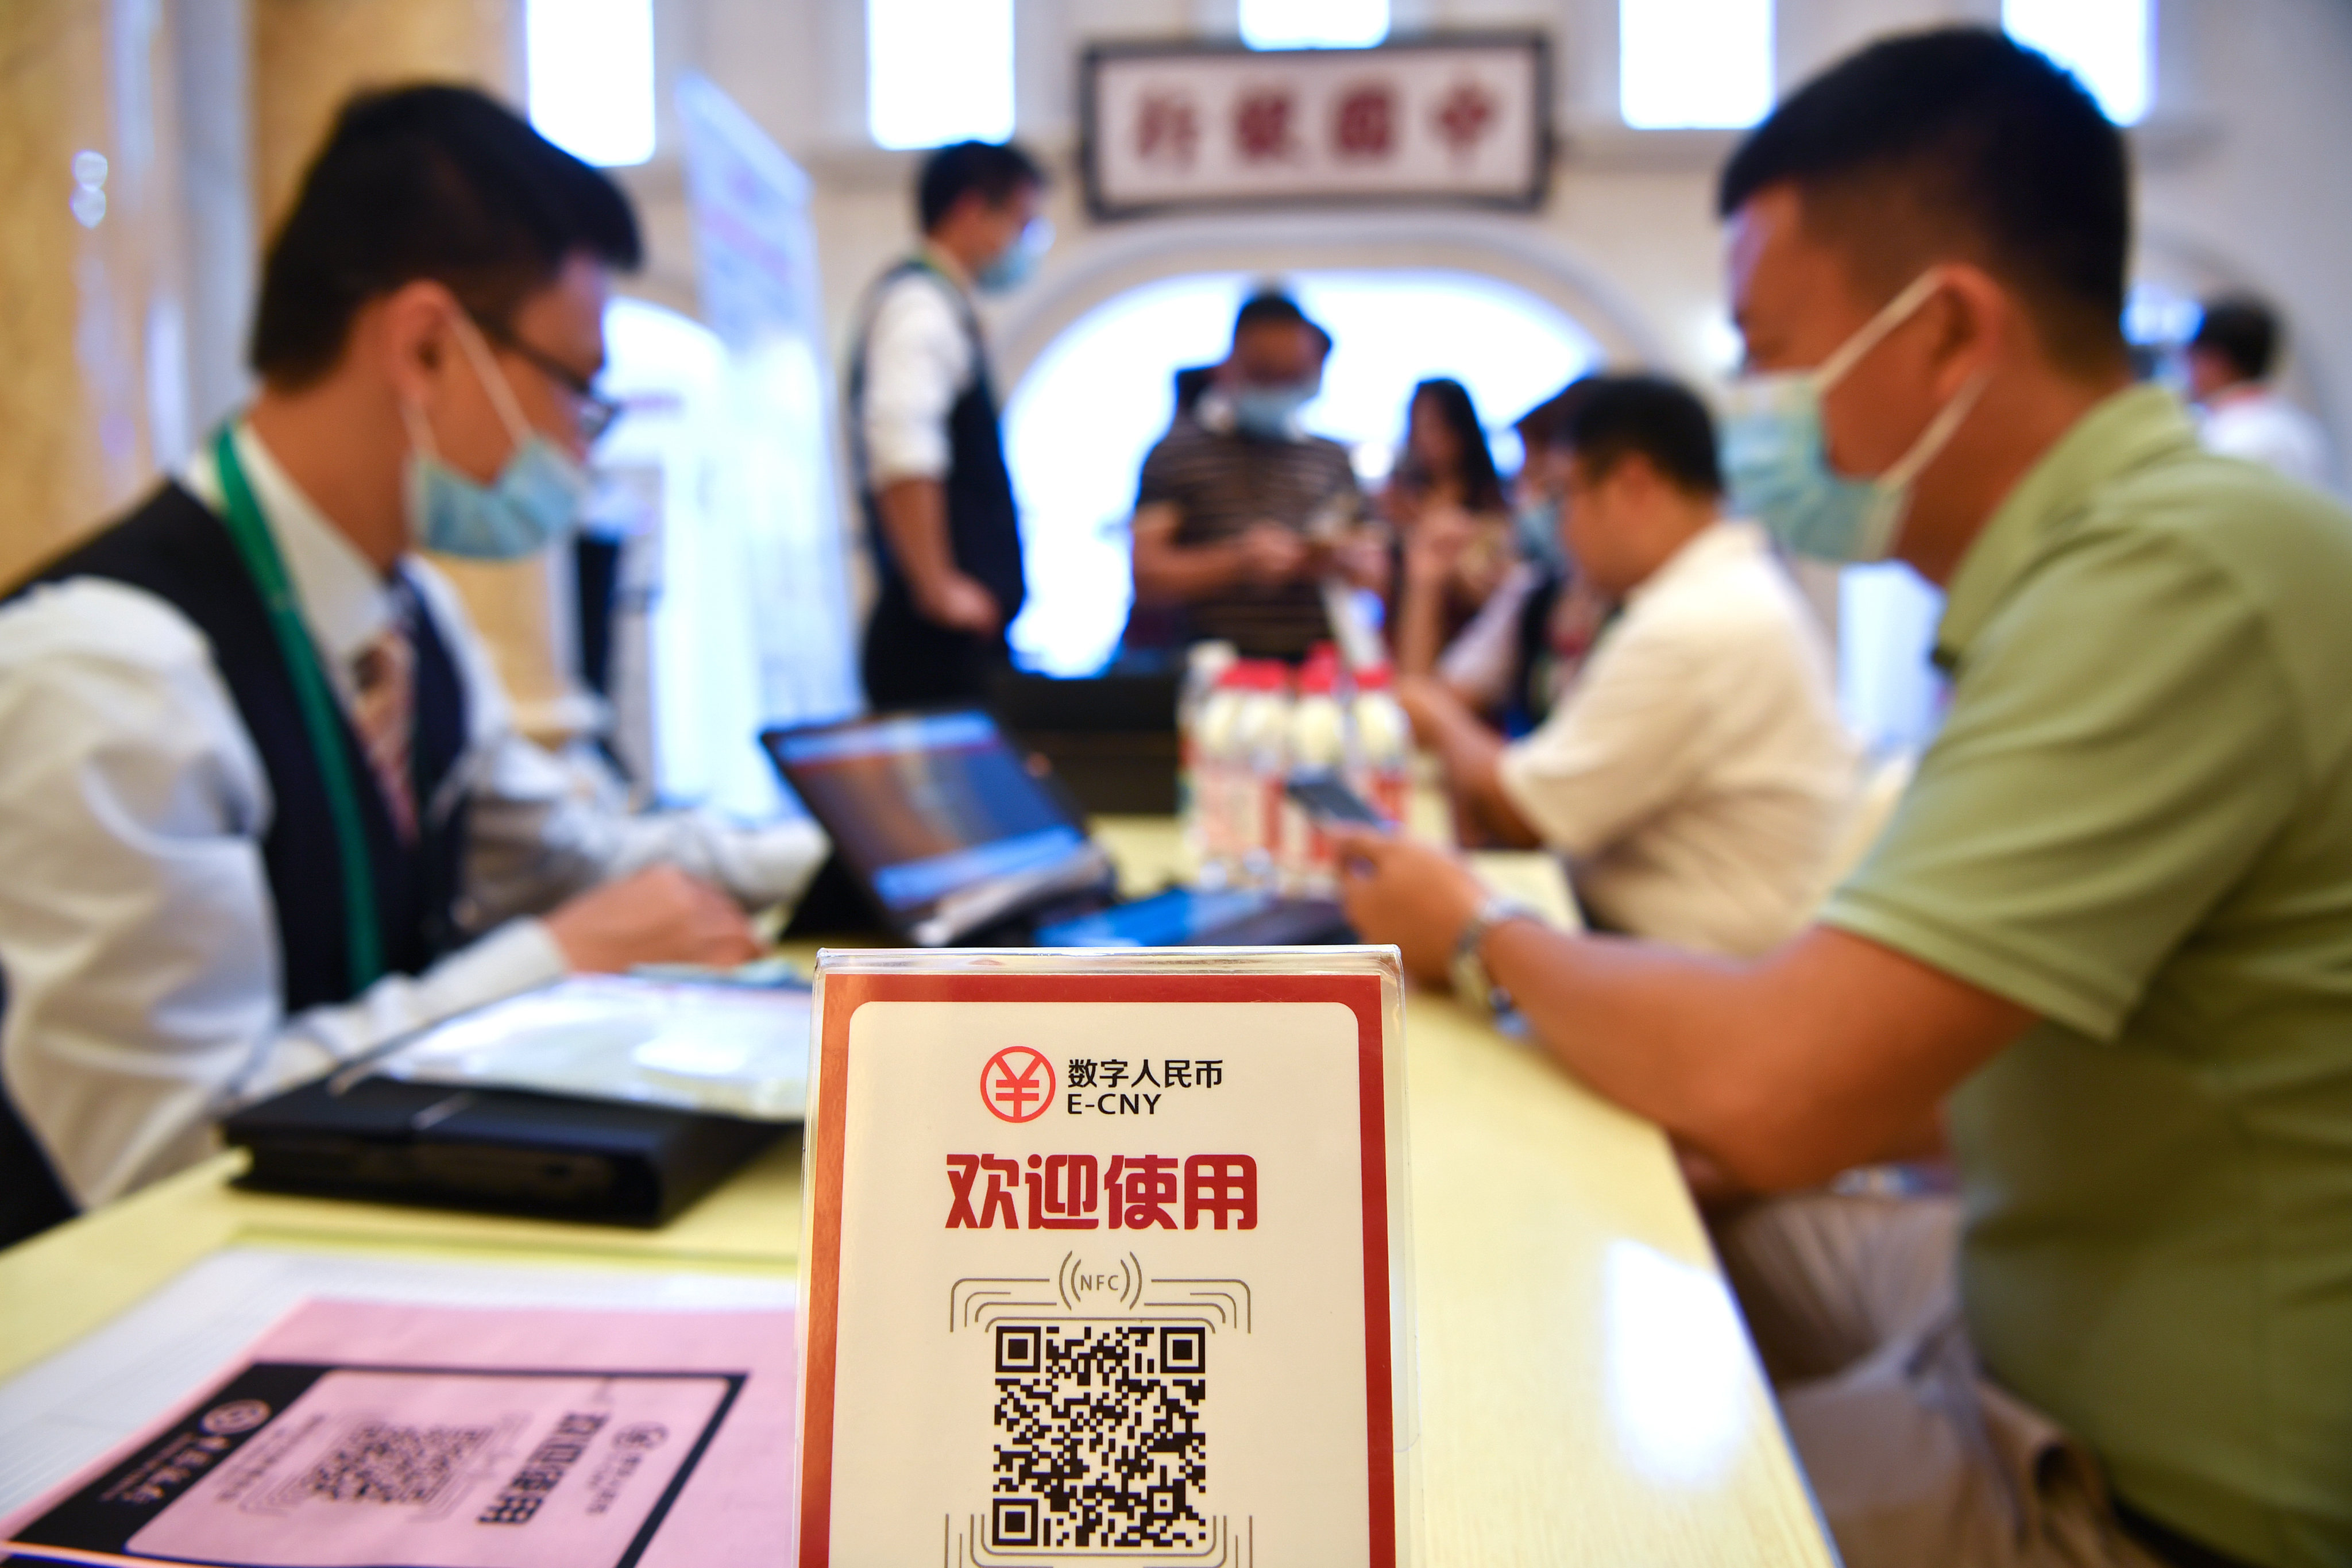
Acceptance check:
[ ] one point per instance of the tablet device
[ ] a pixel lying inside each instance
(1221, 917)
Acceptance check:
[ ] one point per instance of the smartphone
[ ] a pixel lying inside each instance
(1325, 799)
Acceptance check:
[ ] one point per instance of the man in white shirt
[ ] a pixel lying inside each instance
(258, 780)
(1696, 774)
(939, 510)
(2230, 357)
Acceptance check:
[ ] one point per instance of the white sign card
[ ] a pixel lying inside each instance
(1107, 1259)
(1450, 119)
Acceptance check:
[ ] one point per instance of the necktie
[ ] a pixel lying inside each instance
(385, 674)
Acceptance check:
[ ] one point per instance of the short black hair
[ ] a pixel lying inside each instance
(2242, 330)
(997, 170)
(1272, 307)
(1959, 143)
(433, 180)
(1538, 425)
(1609, 417)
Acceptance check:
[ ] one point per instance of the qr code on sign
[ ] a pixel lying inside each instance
(1101, 1443)
(375, 1461)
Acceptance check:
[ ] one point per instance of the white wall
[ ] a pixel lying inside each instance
(2242, 176)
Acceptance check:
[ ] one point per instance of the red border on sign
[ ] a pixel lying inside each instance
(844, 993)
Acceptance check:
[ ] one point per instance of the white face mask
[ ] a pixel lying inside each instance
(534, 499)
(1776, 457)
(1017, 263)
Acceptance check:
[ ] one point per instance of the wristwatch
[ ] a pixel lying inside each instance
(1468, 971)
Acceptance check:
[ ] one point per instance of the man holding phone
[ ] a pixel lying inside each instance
(1696, 774)
(1241, 513)
(2104, 941)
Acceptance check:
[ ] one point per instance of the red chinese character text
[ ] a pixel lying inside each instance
(1464, 116)
(1167, 128)
(1140, 1188)
(1218, 1185)
(1004, 1180)
(1262, 125)
(1063, 1195)
(1365, 123)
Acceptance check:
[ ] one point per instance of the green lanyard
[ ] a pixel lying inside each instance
(320, 715)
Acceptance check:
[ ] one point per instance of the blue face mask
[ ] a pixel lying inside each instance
(1017, 263)
(1535, 526)
(531, 504)
(1269, 411)
(1776, 457)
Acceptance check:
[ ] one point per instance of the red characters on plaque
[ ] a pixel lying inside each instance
(1262, 118)
(1167, 129)
(1365, 123)
(1464, 116)
(1069, 1192)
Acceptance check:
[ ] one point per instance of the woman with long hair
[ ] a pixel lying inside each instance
(1452, 520)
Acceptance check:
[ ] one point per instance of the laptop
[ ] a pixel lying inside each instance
(955, 839)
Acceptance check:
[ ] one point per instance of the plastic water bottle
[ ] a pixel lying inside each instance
(1318, 744)
(1218, 766)
(1254, 790)
(1380, 745)
(1204, 668)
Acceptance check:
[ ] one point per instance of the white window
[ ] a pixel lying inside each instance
(2157, 317)
(938, 71)
(590, 69)
(1682, 63)
(2104, 42)
(1890, 692)
(1314, 23)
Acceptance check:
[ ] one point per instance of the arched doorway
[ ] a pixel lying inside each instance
(1102, 391)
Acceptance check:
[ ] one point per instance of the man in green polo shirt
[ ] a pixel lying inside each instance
(2107, 941)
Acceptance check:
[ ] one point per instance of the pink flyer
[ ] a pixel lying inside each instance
(352, 1435)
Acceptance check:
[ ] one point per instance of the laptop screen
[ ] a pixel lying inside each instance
(926, 806)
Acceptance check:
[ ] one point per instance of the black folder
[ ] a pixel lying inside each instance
(505, 1150)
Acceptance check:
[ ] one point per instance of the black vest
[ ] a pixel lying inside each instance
(983, 520)
(176, 548)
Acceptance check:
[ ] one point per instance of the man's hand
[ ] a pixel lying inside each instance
(660, 915)
(1406, 893)
(959, 603)
(1271, 554)
(913, 513)
(1470, 754)
(1362, 558)
(1430, 704)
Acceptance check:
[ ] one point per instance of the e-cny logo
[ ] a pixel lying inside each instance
(1017, 1084)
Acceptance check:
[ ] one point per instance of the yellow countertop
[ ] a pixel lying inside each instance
(1586, 1392)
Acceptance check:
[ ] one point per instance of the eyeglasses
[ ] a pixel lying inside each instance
(595, 413)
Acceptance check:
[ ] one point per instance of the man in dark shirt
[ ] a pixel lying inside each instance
(1240, 516)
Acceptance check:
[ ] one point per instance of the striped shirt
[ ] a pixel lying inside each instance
(1221, 482)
